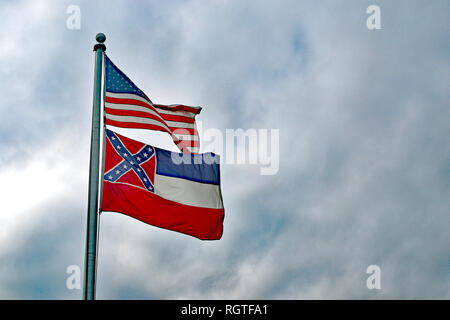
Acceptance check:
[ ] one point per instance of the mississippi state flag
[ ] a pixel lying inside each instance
(175, 191)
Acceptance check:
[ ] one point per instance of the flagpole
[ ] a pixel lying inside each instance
(94, 167)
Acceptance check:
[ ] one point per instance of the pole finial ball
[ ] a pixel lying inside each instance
(100, 37)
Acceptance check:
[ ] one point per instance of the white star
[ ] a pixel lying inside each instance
(110, 177)
(131, 162)
(118, 147)
(145, 154)
(125, 166)
(112, 138)
(117, 171)
(125, 155)
(138, 158)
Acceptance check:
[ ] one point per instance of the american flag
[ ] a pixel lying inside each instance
(127, 106)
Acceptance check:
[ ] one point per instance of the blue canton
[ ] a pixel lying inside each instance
(117, 82)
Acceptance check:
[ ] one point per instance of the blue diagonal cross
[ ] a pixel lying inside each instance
(129, 162)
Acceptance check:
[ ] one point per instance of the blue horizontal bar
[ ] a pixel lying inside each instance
(203, 168)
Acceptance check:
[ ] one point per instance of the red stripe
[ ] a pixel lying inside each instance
(171, 117)
(178, 107)
(188, 143)
(202, 223)
(129, 101)
(133, 113)
(190, 131)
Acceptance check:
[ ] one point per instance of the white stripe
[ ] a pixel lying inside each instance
(135, 119)
(131, 107)
(192, 149)
(188, 192)
(186, 137)
(127, 96)
(183, 125)
(176, 105)
(176, 113)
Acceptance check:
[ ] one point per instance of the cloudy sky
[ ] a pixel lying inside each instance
(364, 122)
